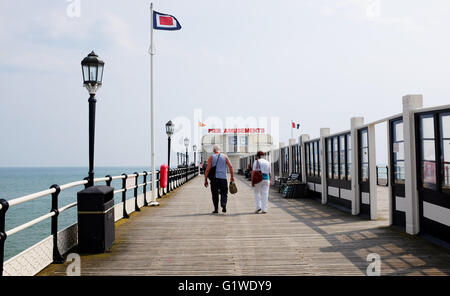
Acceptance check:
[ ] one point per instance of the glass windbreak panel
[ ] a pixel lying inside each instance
(399, 172)
(319, 152)
(445, 146)
(446, 165)
(342, 162)
(335, 159)
(365, 155)
(428, 150)
(445, 126)
(398, 149)
(429, 174)
(364, 139)
(307, 159)
(329, 159)
(349, 157)
(316, 159)
(364, 172)
(427, 127)
(398, 131)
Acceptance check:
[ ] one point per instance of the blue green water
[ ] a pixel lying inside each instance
(17, 182)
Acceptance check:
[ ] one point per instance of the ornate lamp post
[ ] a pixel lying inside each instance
(92, 68)
(194, 149)
(186, 143)
(169, 131)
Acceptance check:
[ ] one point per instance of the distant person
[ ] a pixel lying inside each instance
(261, 188)
(219, 183)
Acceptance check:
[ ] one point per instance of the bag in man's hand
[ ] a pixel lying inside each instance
(233, 188)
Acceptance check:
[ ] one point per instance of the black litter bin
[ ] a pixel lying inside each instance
(95, 219)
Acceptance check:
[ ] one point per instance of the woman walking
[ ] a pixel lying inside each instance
(261, 177)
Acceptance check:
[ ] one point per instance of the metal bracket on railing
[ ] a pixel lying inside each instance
(124, 196)
(108, 182)
(3, 235)
(145, 189)
(136, 206)
(57, 258)
(86, 186)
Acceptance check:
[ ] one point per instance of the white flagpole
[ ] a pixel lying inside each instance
(153, 201)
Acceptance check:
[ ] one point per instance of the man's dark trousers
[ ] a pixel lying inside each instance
(219, 186)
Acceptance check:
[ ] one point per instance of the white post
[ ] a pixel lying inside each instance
(410, 103)
(291, 155)
(372, 172)
(324, 132)
(303, 138)
(390, 168)
(355, 123)
(153, 201)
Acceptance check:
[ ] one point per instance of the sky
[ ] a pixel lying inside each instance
(317, 62)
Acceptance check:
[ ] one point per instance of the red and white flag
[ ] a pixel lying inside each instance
(163, 21)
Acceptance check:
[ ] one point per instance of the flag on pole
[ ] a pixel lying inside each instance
(293, 124)
(298, 126)
(163, 21)
(201, 124)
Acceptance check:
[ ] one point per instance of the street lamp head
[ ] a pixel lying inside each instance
(92, 68)
(186, 142)
(170, 128)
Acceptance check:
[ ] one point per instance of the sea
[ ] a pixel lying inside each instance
(17, 182)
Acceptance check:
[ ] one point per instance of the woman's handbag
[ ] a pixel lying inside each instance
(233, 188)
(212, 170)
(257, 176)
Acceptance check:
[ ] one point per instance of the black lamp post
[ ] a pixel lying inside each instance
(186, 143)
(92, 68)
(169, 132)
(194, 148)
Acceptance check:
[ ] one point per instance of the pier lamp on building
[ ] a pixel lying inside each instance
(92, 68)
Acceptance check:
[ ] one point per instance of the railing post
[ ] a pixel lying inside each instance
(57, 258)
(136, 206)
(168, 180)
(124, 196)
(108, 182)
(145, 189)
(158, 176)
(3, 210)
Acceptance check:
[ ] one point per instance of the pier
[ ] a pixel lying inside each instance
(296, 237)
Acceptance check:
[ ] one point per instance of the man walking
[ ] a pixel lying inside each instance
(218, 162)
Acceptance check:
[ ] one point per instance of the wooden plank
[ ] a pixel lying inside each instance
(296, 237)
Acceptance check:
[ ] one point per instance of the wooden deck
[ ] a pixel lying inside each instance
(296, 237)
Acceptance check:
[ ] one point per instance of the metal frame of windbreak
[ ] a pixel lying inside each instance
(434, 193)
(364, 186)
(337, 180)
(397, 188)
